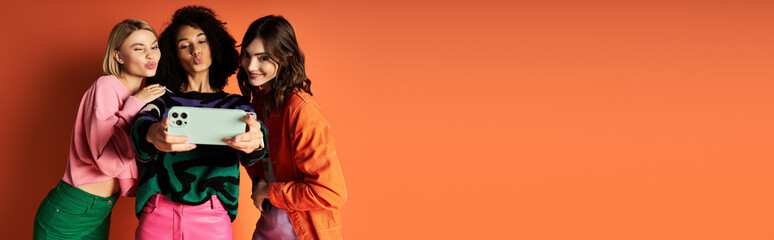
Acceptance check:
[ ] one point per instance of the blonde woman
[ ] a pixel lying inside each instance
(101, 163)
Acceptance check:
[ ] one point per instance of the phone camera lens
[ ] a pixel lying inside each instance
(174, 115)
(183, 115)
(179, 123)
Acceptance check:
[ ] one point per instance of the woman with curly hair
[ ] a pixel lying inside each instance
(300, 188)
(188, 191)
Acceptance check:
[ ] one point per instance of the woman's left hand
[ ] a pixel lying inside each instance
(249, 141)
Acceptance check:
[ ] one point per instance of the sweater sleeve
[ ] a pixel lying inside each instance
(105, 122)
(314, 155)
(150, 114)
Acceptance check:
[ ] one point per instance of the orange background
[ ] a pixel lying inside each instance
(466, 119)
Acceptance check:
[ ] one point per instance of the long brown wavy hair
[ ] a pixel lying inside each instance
(279, 40)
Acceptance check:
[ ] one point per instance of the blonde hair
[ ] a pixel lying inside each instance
(118, 35)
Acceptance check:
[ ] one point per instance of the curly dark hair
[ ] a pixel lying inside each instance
(225, 58)
(279, 40)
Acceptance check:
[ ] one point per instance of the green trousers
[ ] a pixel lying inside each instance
(71, 213)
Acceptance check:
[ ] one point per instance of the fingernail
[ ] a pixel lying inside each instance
(236, 140)
(193, 146)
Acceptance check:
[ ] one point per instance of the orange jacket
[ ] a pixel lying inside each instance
(309, 183)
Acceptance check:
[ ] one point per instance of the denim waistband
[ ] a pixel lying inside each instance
(76, 194)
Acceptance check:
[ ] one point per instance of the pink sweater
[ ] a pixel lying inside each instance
(100, 148)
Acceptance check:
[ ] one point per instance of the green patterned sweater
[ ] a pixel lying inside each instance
(190, 177)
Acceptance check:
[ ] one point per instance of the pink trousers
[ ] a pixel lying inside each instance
(164, 219)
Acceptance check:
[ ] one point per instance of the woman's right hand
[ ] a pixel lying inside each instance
(150, 92)
(157, 135)
(260, 192)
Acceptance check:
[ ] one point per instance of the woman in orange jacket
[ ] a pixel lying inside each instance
(299, 188)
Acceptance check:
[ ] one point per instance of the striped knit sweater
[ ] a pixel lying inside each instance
(189, 177)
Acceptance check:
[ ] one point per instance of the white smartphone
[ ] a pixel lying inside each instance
(206, 125)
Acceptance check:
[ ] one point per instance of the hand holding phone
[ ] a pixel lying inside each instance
(163, 141)
(206, 125)
(250, 141)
